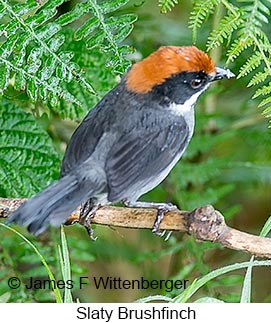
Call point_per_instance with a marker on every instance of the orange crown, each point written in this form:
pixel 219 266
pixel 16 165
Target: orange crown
pixel 165 62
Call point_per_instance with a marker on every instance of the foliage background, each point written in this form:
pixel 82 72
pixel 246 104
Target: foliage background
pixel 56 63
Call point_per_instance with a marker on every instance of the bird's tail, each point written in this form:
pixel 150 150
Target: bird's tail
pixel 53 205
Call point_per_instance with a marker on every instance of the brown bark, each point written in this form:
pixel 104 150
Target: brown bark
pixel 204 223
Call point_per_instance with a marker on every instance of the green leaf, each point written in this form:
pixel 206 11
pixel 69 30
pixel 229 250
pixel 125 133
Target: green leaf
pixel 77 12
pixel 4 298
pixel 264 90
pixel 123 34
pixel 266 228
pixel 28 161
pixel 63 252
pixel 4 77
pixel 103 79
pixel 96 40
pixel 246 290
pixel 33 38
pixel 106 31
pixel 198 283
pixel 266 111
pixel 31 51
pixel 41 258
pixel 154 298
pixel 167 5
pixel 201 11
pixel 87 28
pixel 208 300
pixel 112 5
pixel 259 78
pixel 251 64
pixel 238 46
pixel 224 30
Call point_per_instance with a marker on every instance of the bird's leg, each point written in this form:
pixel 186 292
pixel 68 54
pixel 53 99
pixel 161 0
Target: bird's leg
pixel 87 212
pixel 162 209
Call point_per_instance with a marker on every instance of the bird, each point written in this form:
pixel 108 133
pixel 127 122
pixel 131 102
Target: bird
pixel 129 142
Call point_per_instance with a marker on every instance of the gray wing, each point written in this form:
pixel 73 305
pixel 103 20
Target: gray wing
pixel 80 147
pixel 139 157
pixel 86 137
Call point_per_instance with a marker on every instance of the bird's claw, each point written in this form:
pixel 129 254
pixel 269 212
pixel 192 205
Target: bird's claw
pixel 90 232
pixel 87 212
pixel 159 218
pixel 162 233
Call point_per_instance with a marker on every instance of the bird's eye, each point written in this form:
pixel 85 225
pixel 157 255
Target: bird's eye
pixel 196 83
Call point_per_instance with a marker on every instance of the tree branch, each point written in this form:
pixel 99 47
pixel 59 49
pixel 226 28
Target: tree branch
pixel 204 223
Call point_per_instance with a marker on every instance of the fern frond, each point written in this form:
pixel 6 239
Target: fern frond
pixel 201 11
pixel 167 5
pixel 259 77
pixel 32 55
pixel 257 11
pixel 265 102
pixel 267 111
pixel 103 29
pixel 28 160
pixel 264 90
pixel 103 79
pixel 251 64
pixel 107 31
pixel 224 30
pixel 31 50
pixel 237 47
pixel 262 50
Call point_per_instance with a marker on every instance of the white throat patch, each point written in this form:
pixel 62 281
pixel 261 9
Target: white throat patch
pixel 186 110
pixel 187 106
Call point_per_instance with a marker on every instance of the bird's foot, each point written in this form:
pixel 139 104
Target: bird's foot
pixel 161 211
pixel 87 212
pixel 164 234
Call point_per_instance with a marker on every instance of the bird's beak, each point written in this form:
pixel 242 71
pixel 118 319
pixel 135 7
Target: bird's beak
pixel 222 73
